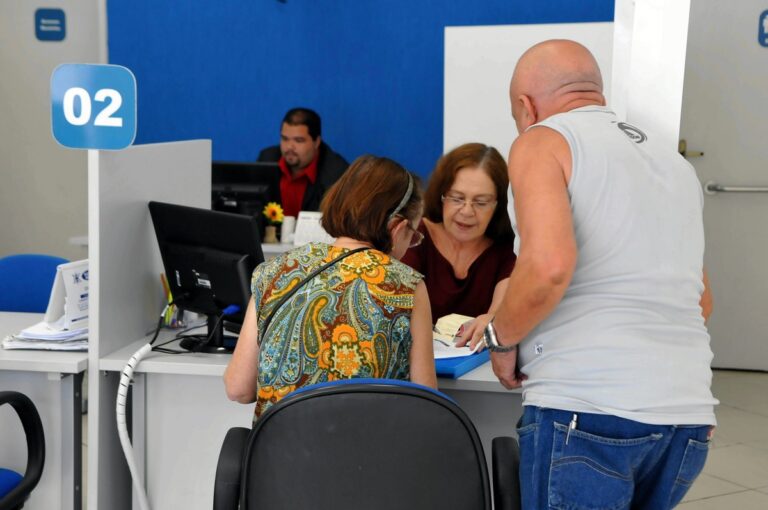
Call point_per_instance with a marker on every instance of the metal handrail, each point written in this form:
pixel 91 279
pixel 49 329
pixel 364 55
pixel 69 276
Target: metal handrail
pixel 712 188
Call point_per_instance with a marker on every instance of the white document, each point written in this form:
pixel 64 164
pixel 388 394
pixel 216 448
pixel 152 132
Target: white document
pixel 14 342
pixel 48 337
pixel 68 304
pixel 48 332
pixel 444 335
pixel 309 230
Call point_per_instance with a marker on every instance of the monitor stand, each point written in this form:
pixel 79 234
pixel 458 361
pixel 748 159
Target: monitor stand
pixel 219 343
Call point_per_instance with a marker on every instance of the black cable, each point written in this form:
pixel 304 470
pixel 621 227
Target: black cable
pixel 202 339
pixel 205 342
pixel 159 326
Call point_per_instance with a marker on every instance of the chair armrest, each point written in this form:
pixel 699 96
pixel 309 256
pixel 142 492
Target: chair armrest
pixel 226 490
pixel 505 459
pixel 33 429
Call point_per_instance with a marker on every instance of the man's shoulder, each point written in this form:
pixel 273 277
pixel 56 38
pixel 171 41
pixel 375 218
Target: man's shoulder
pixel 270 154
pixel 331 163
pixel 538 139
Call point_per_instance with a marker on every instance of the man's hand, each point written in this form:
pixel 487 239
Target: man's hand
pixel 472 332
pixel 504 366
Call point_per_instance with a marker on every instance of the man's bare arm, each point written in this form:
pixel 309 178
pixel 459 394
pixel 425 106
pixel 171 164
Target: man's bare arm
pixel 539 168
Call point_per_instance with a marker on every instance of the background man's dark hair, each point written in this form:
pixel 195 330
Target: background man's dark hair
pixel 305 117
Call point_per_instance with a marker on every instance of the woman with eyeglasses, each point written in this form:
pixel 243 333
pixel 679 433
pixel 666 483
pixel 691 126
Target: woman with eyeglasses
pixel 358 311
pixel 467 253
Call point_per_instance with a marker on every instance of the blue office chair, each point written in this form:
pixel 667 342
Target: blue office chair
pixel 375 444
pixel 26 281
pixel 15 488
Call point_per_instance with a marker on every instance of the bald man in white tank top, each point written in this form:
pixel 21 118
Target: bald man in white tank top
pixel 608 300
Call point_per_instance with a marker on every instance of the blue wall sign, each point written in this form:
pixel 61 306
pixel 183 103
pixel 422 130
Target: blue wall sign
pixel 50 24
pixel 372 69
pixel 93 106
pixel 762 30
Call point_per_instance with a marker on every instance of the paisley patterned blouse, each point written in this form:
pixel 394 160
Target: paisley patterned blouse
pixel 351 320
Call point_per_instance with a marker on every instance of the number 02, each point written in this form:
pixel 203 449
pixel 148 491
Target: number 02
pixel 104 117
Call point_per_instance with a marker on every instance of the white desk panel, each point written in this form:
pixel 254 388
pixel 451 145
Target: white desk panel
pixel 53 381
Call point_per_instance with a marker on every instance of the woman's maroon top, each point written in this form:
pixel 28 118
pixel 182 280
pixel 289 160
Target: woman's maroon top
pixel 470 296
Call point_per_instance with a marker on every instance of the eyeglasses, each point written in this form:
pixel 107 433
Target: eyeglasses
pixel 459 202
pixel 416 238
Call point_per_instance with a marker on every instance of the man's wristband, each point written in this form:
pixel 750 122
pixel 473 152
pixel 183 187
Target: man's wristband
pixel 492 340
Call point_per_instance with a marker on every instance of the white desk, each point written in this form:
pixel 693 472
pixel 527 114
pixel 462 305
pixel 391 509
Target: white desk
pixel 271 250
pixel 53 381
pixel 181 414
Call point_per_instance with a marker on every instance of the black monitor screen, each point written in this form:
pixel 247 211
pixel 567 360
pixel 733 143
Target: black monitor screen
pixel 208 257
pixel 244 188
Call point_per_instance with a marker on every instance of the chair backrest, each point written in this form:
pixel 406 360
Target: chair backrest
pixel 16 489
pixel 26 281
pixel 373 444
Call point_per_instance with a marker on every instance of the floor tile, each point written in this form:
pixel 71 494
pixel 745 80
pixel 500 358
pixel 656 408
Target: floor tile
pixel 738 426
pixel 760 445
pixel 742 390
pixel 747 500
pixel 739 464
pixel 707 486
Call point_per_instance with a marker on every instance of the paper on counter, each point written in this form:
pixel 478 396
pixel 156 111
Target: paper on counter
pixel 13 342
pixel 444 335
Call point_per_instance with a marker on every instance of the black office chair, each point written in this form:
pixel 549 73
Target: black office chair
pixel 15 488
pixel 373 444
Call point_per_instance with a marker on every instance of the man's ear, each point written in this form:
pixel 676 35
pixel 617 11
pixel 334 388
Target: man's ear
pixel 318 141
pixel 528 113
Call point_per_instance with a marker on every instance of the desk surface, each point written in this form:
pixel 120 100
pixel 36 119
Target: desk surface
pixel 479 379
pixel 276 248
pixel 36 361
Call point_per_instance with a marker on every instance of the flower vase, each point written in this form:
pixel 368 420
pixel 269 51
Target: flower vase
pixel 270 234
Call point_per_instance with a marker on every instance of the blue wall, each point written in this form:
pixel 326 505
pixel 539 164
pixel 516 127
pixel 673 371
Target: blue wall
pixel 229 69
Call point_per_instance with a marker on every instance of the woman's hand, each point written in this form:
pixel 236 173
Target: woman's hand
pixel 471 332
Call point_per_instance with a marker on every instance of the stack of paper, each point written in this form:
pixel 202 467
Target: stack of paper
pixel 48 337
pixel 444 335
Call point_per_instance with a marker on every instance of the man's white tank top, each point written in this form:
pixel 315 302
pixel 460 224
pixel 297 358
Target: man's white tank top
pixel 628 338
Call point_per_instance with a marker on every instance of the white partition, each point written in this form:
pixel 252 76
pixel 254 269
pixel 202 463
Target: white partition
pixel 652 39
pixel 126 297
pixel 479 61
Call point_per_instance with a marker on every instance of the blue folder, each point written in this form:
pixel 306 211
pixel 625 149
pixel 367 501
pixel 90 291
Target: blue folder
pixel 456 367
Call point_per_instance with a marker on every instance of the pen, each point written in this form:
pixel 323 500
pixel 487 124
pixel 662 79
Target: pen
pixel 571 426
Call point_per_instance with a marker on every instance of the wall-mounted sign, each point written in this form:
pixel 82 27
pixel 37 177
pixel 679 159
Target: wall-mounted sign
pixel 762 30
pixel 50 24
pixel 93 106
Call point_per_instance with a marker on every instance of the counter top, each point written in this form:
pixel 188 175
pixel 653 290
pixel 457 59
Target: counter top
pixel 32 360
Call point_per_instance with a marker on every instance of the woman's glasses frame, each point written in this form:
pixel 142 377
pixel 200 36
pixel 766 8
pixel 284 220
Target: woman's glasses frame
pixel 477 205
pixel 416 236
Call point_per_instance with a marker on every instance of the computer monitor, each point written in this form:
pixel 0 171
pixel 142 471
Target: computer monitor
pixel 209 257
pixel 244 188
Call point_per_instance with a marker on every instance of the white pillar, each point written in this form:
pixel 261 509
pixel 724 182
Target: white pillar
pixel 650 38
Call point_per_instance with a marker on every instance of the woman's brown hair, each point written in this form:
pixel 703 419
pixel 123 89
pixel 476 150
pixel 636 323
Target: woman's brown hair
pixel 365 198
pixel 471 155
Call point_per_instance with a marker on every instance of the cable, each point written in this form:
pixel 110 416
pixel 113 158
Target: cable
pixel 126 379
pixel 122 428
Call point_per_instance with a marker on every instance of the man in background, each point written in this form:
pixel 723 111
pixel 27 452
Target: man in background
pixel 607 301
pixel 308 165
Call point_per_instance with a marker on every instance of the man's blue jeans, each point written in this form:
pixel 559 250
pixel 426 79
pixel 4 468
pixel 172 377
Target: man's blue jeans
pixel 605 462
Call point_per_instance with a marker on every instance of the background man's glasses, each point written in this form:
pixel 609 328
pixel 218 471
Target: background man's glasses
pixel 458 202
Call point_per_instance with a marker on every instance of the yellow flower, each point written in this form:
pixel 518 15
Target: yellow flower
pixel 273 212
